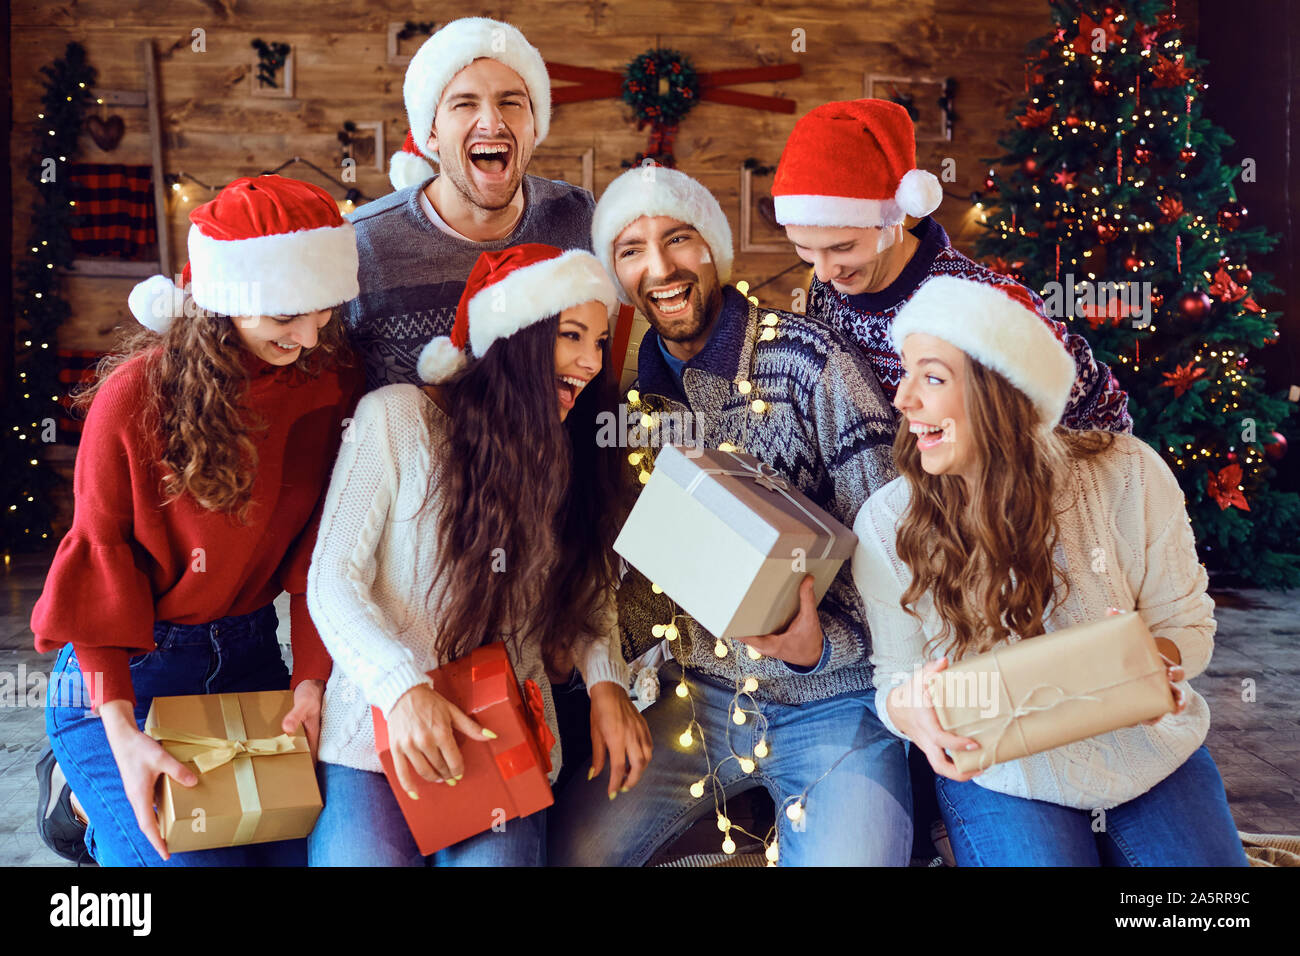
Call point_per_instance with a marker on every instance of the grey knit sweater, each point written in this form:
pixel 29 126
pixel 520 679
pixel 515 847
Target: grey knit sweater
pixel 412 273
pixel 828 430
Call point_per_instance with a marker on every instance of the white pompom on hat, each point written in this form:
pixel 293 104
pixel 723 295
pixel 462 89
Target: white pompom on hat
pixel 651 190
pixel 999 327
pixel 408 167
pixel 509 290
pixel 265 245
pixel 853 164
pixel 437 62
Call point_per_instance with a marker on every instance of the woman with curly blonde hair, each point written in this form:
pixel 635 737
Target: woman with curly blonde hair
pixel 1003 526
pixel 206 452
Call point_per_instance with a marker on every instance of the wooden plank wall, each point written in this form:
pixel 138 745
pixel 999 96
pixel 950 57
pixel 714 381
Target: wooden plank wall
pixel 215 130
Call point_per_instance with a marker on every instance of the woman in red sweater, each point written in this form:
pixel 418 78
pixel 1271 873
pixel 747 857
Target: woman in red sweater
pixel 205 455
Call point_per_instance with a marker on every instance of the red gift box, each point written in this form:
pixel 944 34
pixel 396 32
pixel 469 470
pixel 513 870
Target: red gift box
pixel 503 778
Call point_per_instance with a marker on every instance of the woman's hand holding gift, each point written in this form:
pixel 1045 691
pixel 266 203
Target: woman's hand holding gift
pixel 422 738
pixel 912 711
pixel 617 728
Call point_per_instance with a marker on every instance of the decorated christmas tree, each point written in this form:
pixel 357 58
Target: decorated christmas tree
pixel 1123 205
pixel 32 408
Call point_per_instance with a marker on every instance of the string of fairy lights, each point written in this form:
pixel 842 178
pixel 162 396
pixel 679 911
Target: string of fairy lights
pixel 743 707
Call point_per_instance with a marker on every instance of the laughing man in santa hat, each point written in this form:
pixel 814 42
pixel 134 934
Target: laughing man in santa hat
pixel 799 397
pixel 478 100
pixel 845 189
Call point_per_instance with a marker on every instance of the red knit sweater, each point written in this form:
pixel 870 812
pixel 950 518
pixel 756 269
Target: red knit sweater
pixel 129 561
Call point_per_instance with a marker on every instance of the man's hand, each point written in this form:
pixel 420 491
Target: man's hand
pixel 802 641
pixel 619 730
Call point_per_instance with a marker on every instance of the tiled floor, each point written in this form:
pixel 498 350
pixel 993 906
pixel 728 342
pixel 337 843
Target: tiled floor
pixel 1252 685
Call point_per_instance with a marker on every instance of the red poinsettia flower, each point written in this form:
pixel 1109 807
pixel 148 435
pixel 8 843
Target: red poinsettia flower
pixel 1224 289
pixel 1170 73
pixel 1032 118
pixel 1182 378
pixel 1171 208
pixel 1083 42
pixel 1224 488
pixel 1065 177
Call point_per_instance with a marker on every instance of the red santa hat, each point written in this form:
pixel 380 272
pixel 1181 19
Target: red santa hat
pixel 265 245
pixel 509 290
pixel 437 62
pixel 998 326
pixel 853 164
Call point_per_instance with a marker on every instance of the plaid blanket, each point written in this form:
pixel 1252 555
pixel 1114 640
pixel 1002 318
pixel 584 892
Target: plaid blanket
pixel 115 211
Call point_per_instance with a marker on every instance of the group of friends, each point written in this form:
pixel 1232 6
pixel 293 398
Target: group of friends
pixel 405 439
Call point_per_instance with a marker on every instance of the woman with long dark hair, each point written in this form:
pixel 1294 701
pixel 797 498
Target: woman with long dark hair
pixel 205 455
pixel 478 509
pixel 1003 526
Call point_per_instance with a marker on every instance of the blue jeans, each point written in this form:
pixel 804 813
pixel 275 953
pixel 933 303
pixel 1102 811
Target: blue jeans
pixel 859 814
pixel 229 655
pixel 1182 821
pixel 362 825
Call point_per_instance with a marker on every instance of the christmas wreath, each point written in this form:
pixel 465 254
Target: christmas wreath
pixel 662 87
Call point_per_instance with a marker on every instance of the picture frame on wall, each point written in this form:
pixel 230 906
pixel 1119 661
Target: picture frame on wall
pixel 402 47
pixel 758 208
pixel 562 164
pixel 922 93
pixel 283 90
pixel 367 146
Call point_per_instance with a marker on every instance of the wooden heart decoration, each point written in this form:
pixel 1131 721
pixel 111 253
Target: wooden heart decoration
pixel 106 133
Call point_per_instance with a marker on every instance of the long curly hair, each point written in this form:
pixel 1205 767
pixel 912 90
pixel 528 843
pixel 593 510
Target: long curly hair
pixel 196 380
pixel 984 555
pixel 531 505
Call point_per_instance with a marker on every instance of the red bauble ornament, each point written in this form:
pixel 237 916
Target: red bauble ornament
pixel 1276 448
pixel 1107 231
pixel 1102 86
pixel 1186 154
pixel 1142 155
pixel 1132 262
pixel 1232 216
pixel 1242 275
pixel 1031 166
pixel 990 184
pixel 1072 120
pixel 1194 305
pixel 1231 456
pixel 1157 299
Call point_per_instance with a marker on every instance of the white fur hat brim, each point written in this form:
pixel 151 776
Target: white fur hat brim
pixel 455 47
pixel 407 169
pixel 537 292
pixel 659 191
pixel 996 331
pixel 288 273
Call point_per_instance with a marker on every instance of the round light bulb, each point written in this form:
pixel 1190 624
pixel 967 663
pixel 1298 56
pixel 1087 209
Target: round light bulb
pixel 646 420
pixel 643 477
pixel 744 387
pixel 634 396
pixel 697 789
pixel 761 750
pixel 656 589
pixel 723 823
pixel 657 630
pixel 758 405
pixel 751 685
pixel 728 846
pixel 719 649
pixel 746 765
pixel 686 739
pixel 726 446
pixel 794 811
pixel 742 286
pixel 771 852
pixel 753 654
pixel 769 319
pixel 768 335
pixel 738 717
pixel 682 690
pixel 671 632
pixel 635 458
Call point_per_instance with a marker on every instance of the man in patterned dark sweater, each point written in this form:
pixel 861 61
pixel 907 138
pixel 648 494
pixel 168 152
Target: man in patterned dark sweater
pixel 845 185
pixel 810 729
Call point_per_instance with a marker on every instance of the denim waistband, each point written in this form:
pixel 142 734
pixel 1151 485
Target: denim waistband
pixel 170 634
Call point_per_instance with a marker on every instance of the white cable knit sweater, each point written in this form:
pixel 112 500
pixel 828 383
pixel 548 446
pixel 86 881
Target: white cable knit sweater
pixel 375 556
pixel 1127 543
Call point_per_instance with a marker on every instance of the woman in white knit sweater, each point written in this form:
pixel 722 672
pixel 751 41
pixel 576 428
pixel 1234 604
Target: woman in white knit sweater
pixel 1003 526
pixel 477 509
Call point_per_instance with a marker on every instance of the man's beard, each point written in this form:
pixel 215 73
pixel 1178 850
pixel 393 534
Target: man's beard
pixel 462 179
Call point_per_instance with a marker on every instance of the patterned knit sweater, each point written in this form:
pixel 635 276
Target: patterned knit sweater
pixel 1125 507
pixel 375 556
pixel 1096 400
pixel 828 430
pixel 412 273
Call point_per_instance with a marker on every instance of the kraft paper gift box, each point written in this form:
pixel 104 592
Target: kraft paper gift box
pixel 1053 689
pixel 503 778
pixel 256 783
pixel 730 540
